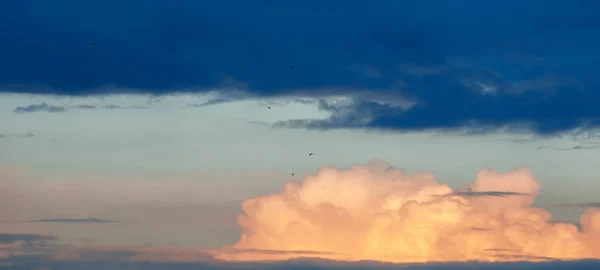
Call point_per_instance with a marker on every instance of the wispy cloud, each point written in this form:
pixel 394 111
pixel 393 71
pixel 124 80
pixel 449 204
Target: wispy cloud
pixel 108 107
pixel 64 220
pixel 259 123
pixel 74 220
pixel 524 141
pixel 582 205
pixel 26 135
pixel 519 257
pixel 485 194
pixel 211 102
pixel 42 107
pixel 580 147
pixel 7 238
pixel 85 107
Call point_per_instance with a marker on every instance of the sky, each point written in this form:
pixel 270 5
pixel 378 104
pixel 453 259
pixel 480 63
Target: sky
pixel 186 129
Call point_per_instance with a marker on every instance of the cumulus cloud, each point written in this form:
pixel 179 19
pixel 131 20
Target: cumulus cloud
pixel 42 107
pixel 376 212
pixel 369 212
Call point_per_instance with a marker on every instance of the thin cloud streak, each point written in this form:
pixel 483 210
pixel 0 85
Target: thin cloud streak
pixel 486 194
pixel 42 107
pixel 74 220
pixel 584 205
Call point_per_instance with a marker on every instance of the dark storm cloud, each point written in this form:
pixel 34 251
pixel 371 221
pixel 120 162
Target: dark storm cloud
pixel 478 65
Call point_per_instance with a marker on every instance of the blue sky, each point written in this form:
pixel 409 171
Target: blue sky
pixel 170 114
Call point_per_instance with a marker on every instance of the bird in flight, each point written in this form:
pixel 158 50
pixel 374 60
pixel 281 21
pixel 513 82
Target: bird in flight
pixel 291 66
pixel 311 154
pixel 93 43
pixel 292 174
pixel 269 107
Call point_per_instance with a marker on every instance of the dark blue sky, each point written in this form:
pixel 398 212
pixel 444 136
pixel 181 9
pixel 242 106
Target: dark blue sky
pixel 540 57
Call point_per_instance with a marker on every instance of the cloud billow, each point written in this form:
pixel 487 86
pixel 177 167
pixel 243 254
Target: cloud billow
pixel 380 213
pixel 475 65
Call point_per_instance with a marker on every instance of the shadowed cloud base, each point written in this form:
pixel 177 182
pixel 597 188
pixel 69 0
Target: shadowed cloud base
pixel 181 259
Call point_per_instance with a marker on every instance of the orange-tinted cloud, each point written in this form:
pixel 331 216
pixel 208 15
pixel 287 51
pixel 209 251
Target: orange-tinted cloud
pixel 377 212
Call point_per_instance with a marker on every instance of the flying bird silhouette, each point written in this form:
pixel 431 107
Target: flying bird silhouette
pixel 311 154
pixel 93 43
pixel 291 66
